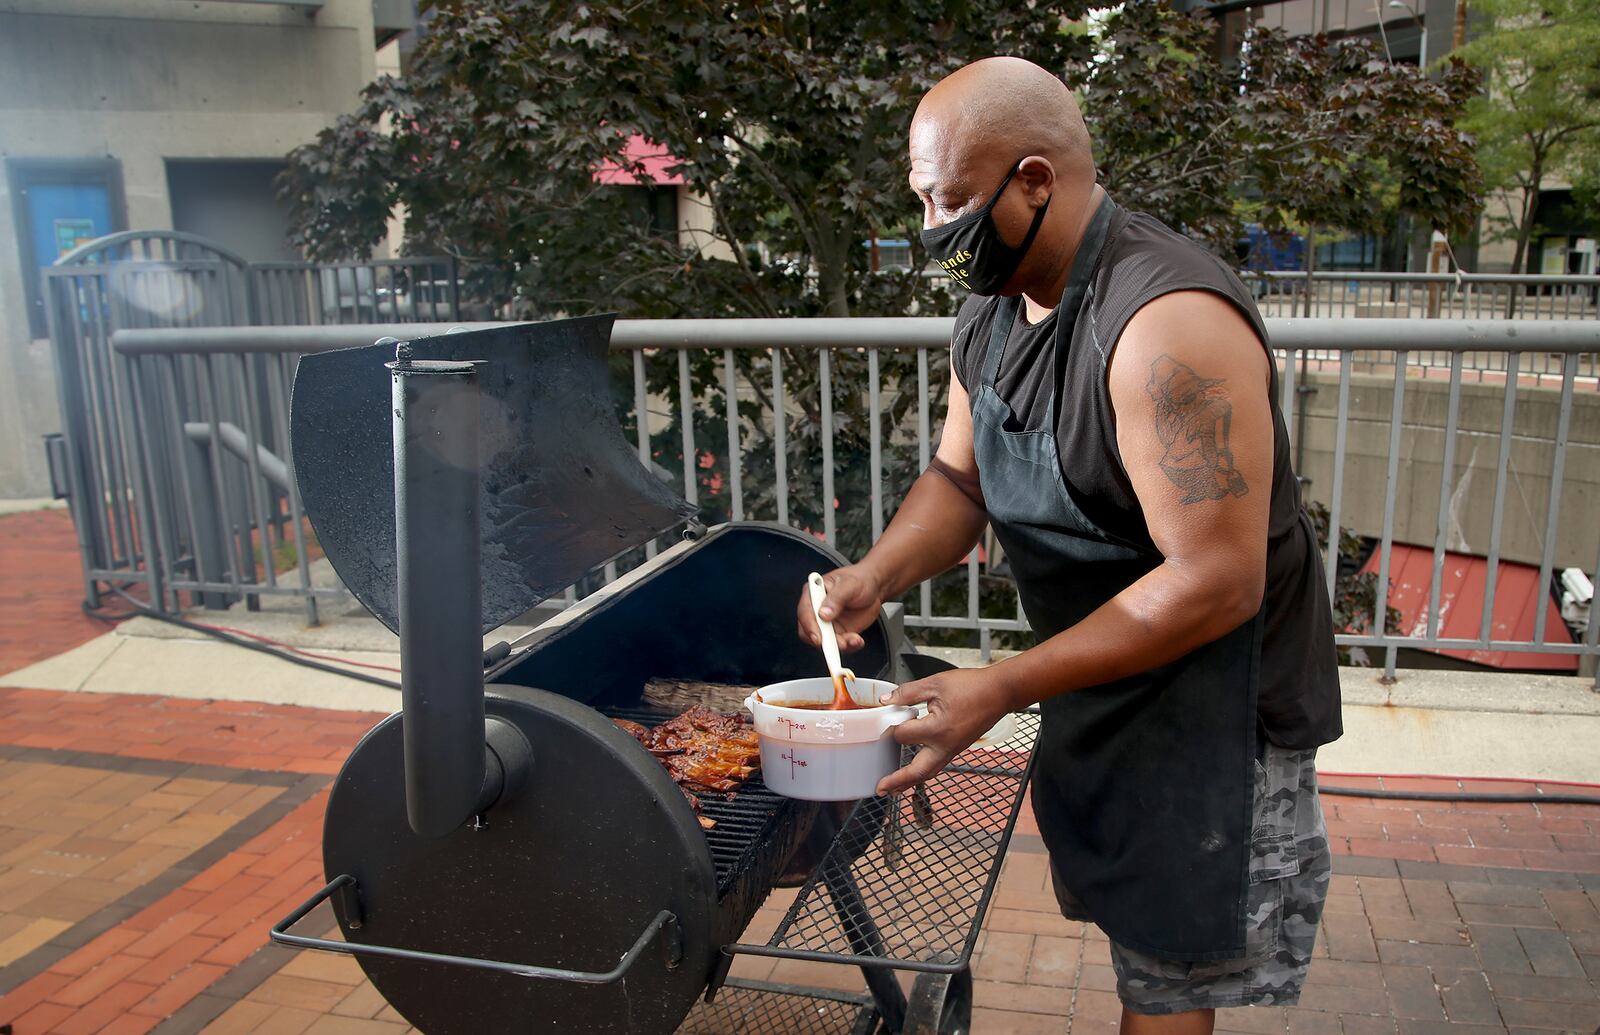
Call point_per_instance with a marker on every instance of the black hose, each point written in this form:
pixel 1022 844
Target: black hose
pixel 1546 799
pixel 140 609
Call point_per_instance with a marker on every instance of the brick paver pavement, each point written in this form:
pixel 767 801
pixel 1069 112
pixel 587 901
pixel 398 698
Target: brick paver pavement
pixel 41 589
pixel 147 843
pixel 145 846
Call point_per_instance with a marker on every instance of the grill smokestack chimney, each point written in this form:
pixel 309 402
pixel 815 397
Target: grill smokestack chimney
pixel 436 476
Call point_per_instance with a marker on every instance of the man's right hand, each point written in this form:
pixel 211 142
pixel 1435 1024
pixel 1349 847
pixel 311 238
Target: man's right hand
pixel 853 599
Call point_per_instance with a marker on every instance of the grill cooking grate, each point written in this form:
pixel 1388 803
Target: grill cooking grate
pixel 742 824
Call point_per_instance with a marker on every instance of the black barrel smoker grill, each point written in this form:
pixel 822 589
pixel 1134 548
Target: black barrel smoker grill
pixel 500 856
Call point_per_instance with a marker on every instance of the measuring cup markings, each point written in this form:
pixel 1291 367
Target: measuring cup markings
pixel 791 724
pixel 793 760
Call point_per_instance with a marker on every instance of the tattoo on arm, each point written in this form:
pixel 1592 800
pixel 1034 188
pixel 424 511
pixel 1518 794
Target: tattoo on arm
pixel 1193 417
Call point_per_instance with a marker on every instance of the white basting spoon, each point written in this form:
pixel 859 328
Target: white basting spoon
pixel 830 643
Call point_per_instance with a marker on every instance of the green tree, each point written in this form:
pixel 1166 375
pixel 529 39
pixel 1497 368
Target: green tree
pixel 1301 132
pixel 789 123
pixel 1538 119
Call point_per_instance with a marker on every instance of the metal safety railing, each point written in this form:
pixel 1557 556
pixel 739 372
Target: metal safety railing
pixel 168 279
pixel 824 423
pixel 1451 296
pixel 1291 294
pixel 1438 296
pixel 1414 296
pixel 406 290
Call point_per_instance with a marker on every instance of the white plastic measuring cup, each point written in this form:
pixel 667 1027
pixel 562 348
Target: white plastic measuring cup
pixel 824 755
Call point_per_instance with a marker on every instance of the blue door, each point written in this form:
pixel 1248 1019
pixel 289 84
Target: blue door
pixel 64 215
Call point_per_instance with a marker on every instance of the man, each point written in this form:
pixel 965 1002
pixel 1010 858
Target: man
pixel 1113 415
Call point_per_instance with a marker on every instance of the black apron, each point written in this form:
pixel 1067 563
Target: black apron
pixel 1143 786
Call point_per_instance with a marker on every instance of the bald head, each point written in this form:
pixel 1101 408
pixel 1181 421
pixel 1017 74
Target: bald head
pixel 1003 108
pixel 1005 134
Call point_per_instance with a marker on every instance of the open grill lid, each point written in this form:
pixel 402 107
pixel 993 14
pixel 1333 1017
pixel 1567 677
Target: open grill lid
pixel 563 491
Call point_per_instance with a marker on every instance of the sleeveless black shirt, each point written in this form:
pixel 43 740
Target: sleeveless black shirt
pixel 1142 260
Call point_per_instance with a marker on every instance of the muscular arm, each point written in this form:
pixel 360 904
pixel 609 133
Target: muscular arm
pixel 1189 387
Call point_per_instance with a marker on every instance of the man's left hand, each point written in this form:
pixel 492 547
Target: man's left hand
pixel 962 706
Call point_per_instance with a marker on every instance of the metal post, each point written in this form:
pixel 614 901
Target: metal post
pixel 825 376
pixel 691 455
pixel 1569 373
pixel 1501 479
pixel 1380 617
pixel 924 457
pixel 860 931
pixel 875 433
pixel 1447 470
pixel 730 391
pixel 780 439
pixel 281 375
pixel 435 406
pixel 1336 494
pixel 641 420
pixel 57 295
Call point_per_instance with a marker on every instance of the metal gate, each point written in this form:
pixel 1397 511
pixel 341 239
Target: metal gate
pixel 211 505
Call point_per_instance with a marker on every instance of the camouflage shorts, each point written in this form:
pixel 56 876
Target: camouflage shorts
pixel 1289 869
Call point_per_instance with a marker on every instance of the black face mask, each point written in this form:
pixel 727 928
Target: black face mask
pixel 972 251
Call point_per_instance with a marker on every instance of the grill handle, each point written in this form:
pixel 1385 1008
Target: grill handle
pixel 665 923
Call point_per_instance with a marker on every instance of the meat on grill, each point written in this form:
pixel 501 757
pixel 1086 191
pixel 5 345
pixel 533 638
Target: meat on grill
pixel 706 750
pixel 706 822
pixel 702 750
pixel 701 725
pixel 637 731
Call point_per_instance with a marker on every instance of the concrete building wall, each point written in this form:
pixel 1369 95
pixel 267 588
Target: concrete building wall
pixel 142 82
pixel 1471 508
pixel 695 226
pixel 1496 246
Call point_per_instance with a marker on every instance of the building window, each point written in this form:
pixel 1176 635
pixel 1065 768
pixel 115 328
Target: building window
pixel 56 206
pixel 653 208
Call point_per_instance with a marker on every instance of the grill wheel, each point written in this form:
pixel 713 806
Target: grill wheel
pixel 940 1004
pixel 565 874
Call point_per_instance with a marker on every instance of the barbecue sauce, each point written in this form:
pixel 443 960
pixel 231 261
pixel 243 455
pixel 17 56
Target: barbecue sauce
pixel 842 701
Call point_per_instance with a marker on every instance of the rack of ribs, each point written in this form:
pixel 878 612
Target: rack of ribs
pixel 704 751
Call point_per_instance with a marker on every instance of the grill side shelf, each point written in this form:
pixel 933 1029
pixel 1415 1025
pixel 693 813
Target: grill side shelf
pixel 906 883
pixel 762 1006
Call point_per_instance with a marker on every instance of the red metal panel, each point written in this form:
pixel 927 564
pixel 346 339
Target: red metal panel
pixel 655 159
pixel 1461 590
